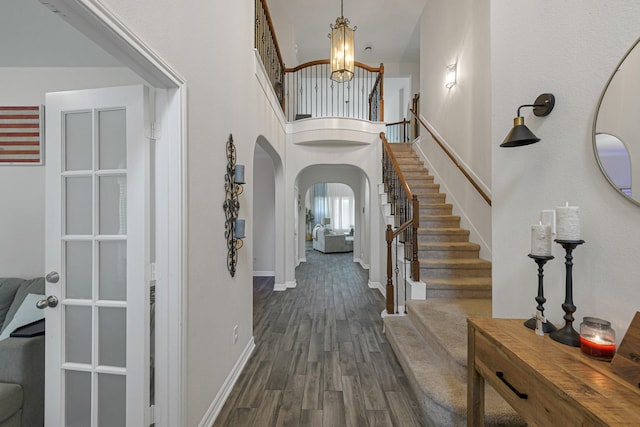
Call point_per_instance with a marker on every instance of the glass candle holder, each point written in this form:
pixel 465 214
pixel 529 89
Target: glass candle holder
pixel 597 338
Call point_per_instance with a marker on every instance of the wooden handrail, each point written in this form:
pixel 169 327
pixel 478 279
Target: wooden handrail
pixel 396 166
pixel 390 234
pixel 273 31
pixel 454 160
pixel 328 61
pixel 403 122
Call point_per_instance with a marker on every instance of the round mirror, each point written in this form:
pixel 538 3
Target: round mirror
pixel 616 128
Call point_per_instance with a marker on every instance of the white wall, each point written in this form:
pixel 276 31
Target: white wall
pixel 395 69
pixel 458 32
pixel 397 98
pixel 570 49
pixel 264 197
pixel 211 45
pixel 22 209
pixel 285 33
pixel 331 141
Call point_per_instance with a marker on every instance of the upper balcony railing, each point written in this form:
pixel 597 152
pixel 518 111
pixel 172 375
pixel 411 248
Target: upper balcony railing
pixel 267 45
pixel 307 90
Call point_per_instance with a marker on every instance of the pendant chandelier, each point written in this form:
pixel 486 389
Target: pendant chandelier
pixel 342 49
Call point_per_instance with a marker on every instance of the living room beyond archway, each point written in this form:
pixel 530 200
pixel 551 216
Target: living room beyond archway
pixel 330 217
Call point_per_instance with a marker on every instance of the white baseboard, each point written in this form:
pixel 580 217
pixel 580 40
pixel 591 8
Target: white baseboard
pixel 216 406
pixel 378 286
pixel 400 312
pixel 277 287
pixel 302 259
pixel 263 273
pixel 362 263
pixel 290 284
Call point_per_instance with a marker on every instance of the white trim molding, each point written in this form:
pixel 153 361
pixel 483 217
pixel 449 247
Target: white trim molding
pixel 263 273
pixel 378 286
pixel 279 287
pixel 290 284
pixel 217 404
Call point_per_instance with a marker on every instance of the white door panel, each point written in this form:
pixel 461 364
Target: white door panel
pixel 97 234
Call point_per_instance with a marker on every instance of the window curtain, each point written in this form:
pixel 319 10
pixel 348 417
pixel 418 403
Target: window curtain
pixel 320 209
pixel 336 202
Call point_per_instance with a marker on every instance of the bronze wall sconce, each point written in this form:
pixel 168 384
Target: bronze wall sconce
pixel 233 227
pixel 520 134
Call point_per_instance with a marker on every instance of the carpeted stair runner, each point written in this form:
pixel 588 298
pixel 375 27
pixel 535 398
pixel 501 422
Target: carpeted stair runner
pixel 430 344
pixel 431 341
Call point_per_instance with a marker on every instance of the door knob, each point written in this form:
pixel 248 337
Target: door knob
pixel 52 277
pixel 51 301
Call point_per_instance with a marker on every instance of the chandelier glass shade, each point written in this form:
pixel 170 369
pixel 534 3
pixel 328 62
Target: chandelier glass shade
pixel 342 49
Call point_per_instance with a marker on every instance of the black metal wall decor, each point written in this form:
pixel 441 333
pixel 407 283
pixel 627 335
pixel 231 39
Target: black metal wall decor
pixel 233 227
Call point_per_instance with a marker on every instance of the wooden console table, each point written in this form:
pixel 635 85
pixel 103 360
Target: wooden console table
pixel 547 383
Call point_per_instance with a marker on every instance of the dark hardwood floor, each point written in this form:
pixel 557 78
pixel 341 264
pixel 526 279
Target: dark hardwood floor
pixel 321 358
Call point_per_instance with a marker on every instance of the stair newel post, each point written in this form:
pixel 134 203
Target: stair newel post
pixel 415 265
pixel 389 238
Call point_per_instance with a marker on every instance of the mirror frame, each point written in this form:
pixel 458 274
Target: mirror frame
pixel 595 123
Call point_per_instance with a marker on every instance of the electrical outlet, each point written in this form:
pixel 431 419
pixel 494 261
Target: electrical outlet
pixel 235 334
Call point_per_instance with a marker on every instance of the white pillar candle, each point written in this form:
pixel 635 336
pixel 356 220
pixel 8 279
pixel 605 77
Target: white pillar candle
pixel 541 239
pixel 568 222
pixel 239 178
pixel 239 229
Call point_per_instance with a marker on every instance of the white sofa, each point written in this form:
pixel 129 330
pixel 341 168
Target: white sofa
pixel 325 241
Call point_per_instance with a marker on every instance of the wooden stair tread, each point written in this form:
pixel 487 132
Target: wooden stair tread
pixel 429 216
pixel 426 230
pixel 448 245
pixel 451 282
pixel 476 263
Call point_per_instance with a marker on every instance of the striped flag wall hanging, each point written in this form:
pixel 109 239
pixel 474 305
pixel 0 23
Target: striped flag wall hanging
pixel 21 135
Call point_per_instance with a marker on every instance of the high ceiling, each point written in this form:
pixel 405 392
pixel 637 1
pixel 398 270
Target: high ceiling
pixel 33 36
pixel 40 38
pixel 389 27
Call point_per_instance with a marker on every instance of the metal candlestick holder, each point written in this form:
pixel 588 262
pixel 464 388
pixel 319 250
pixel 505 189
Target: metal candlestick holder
pixel 567 335
pixel 547 327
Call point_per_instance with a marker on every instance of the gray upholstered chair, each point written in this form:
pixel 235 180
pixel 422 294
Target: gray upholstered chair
pixel 21 361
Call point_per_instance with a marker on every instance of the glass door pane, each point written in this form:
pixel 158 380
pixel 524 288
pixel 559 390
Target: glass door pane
pixel 112 400
pixel 78 399
pixel 95 242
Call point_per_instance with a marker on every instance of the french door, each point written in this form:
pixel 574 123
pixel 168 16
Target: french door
pixel 97 250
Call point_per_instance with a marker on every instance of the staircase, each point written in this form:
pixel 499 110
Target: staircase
pixel 431 341
pixel 449 264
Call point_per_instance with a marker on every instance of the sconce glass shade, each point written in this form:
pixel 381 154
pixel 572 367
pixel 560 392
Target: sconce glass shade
pixel 239 231
pixel 239 174
pixel 519 135
pixel 342 50
pixel 451 76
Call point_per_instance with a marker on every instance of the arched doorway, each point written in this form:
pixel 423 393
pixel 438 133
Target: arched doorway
pixel 268 202
pixel 355 179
